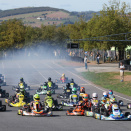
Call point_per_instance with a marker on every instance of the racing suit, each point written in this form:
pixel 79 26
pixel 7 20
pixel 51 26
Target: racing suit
pixel 36 105
pixel 48 97
pixel 49 84
pixel 63 79
pixel 68 91
pixel 74 98
pixel 104 100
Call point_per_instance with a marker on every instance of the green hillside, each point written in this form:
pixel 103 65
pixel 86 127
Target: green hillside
pixel 35 16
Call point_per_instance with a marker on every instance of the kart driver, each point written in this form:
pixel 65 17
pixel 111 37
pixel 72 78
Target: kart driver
pixel 74 96
pixel 105 98
pixel 82 91
pixel 68 89
pixel 110 94
pixel 48 96
pixel 85 103
pixel 49 82
pixel 62 78
pixel 36 104
pixel 21 82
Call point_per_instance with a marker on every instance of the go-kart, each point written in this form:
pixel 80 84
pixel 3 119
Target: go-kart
pixel 27 111
pixel 2 107
pixel 27 98
pixel 94 108
pixel 68 103
pixel 78 111
pixel 2 81
pixel 41 91
pixel 52 85
pixel 52 105
pixel 3 94
pixel 114 115
pixel 72 85
pixel 65 95
pixel 26 87
pixel 128 105
pixel 62 80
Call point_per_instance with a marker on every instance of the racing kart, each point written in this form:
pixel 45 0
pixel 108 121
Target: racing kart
pixel 27 98
pixel 27 111
pixel 62 81
pixel 68 103
pixel 78 111
pixel 114 115
pixel 52 85
pixel 3 94
pixel 52 105
pixel 65 94
pixel 44 91
pixel 72 85
pixel 128 105
pixel 2 107
pixel 26 87
pixel 95 108
pixel 2 82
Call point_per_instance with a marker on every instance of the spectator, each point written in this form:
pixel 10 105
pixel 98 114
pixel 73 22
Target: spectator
pixel 122 68
pixel 98 57
pixel 85 61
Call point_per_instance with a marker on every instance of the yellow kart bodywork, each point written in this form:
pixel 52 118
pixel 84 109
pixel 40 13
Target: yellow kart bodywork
pixel 20 103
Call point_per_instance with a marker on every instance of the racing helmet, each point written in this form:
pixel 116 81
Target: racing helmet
pixel 110 92
pixel 94 95
pixel 113 100
pixel 17 90
pixel 85 97
pixel 68 85
pixel 74 91
pixel 49 79
pixel 48 93
pixel 82 90
pixel 63 74
pixel 105 94
pixel 72 81
pixel 36 97
pixel 45 83
pixel 21 79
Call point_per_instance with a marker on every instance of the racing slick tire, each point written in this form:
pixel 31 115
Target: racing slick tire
pixel 3 108
pixel 120 102
pixel 7 95
pixel 127 114
pixel 0 103
pixel 128 106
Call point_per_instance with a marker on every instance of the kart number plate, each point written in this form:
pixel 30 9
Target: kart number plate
pixel 68 91
pixel 74 96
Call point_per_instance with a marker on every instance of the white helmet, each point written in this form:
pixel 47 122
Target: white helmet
pixel 105 94
pixel 94 95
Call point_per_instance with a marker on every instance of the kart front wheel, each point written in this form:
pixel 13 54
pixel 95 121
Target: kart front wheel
pixel 3 107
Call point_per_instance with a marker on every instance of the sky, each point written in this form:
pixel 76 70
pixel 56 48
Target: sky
pixel 70 5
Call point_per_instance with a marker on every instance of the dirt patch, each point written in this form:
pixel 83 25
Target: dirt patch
pixel 126 78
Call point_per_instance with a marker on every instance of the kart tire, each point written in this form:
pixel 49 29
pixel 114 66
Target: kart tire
pixel 120 101
pixel 3 108
pixel 28 87
pixel 0 103
pixel 56 87
pixel 7 95
pixel 127 114
pixel 127 105
pixel 22 113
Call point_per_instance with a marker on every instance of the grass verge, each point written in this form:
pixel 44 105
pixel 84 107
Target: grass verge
pixel 107 80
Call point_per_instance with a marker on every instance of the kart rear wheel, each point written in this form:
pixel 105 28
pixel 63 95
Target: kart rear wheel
pixel 7 95
pixel 127 114
pixel 0 103
pixel 3 108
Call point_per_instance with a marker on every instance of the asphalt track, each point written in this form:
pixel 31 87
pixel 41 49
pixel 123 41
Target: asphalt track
pixel 35 72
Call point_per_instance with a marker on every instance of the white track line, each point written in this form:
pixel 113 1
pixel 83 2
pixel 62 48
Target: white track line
pixel 89 82
pixel 39 72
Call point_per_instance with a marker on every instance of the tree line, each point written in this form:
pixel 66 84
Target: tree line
pixel 113 19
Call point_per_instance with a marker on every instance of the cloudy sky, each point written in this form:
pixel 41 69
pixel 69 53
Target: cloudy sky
pixel 70 5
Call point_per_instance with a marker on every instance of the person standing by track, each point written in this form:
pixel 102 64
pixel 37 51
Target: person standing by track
pixel 85 61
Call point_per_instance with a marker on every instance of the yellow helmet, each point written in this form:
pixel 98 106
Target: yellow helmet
pixel 63 74
pixel 36 97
